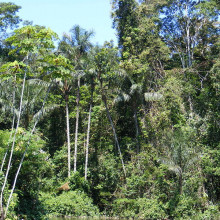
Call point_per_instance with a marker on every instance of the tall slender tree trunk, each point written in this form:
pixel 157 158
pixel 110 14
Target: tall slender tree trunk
pixel 23 156
pixel 88 132
pixel 66 97
pixel 114 131
pixel 188 39
pixel 13 143
pixel 77 124
pixel 68 134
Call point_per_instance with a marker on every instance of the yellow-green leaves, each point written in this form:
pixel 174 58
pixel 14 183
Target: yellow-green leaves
pixel 35 44
pixel 12 69
pixel 32 39
pixel 57 67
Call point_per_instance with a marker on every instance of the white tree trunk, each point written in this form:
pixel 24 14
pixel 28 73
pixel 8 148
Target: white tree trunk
pixel 77 125
pixel 13 143
pixel 68 137
pixel 23 156
pixel 88 134
pixel 188 39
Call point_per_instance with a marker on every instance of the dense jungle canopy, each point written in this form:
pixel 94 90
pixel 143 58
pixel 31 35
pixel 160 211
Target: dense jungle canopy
pixel 131 130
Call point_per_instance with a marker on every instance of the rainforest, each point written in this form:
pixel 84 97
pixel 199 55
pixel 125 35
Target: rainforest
pixel 117 131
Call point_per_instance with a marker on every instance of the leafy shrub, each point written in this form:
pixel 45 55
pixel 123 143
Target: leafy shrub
pixel 211 213
pixel 79 183
pixel 141 208
pixel 189 208
pixel 125 207
pixel 185 207
pixel 14 202
pixel 150 209
pixel 72 203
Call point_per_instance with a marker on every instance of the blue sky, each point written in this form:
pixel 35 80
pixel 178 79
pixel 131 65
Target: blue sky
pixel 62 15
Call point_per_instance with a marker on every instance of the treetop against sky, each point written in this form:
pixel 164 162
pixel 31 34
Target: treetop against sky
pixel 60 16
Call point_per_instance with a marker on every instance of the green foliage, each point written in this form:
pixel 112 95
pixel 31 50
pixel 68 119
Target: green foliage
pixel 141 208
pixel 211 169
pixel 76 45
pixel 189 208
pixel 8 17
pixel 13 206
pixel 72 203
pixel 212 212
pixel 186 207
pixel 4 136
pixel 57 67
pixel 211 161
pixel 32 39
pixel 79 183
pixel 12 70
pixel 35 166
pixel 105 182
pixel 150 208
pixel 155 113
pixel 15 200
pixel 59 159
pixel 125 207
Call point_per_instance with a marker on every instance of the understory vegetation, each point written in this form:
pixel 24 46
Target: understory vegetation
pixel 130 131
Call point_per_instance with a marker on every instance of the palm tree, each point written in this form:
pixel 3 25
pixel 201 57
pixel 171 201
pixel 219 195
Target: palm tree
pixel 66 89
pixel 133 96
pixel 75 47
pixel 181 155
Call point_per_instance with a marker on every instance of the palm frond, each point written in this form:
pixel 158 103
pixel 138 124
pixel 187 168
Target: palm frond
pixel 38 82
pixel 176 169
pixel 80 73
pixel 135 88
pixel 171 165
pixel 152 96
pixel 122 97
pixel 43 112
